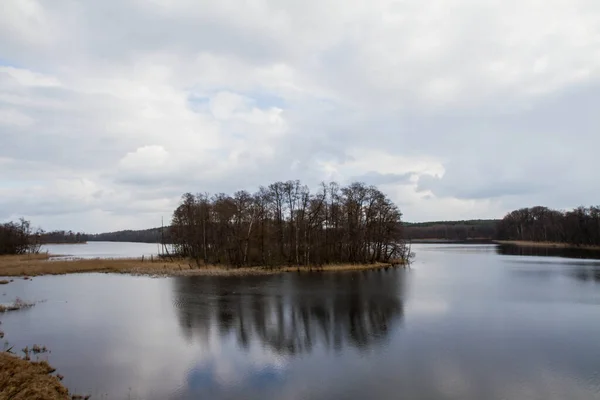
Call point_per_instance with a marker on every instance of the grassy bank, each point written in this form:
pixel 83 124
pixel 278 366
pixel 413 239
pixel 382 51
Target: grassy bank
pixel 523 243
pixel 34 265
pixel 23 380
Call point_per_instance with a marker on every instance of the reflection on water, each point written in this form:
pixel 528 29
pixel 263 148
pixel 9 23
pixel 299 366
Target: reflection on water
pixel 513 250
pixel 464 323
pixel 292 313
pixel 545 263
pixel 581 271
pixel 587 274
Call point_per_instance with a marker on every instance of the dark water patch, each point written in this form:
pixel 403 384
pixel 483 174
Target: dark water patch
pixel 292 313
pixel 581 253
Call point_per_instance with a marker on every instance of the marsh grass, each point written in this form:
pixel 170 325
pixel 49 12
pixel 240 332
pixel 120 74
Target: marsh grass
pixel 22 380
pixel 35 349
pixel 18 304
pixel 47 265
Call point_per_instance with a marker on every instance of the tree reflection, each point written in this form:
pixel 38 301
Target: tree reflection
pixel 587 273
pixel 293 313
pixel 513 250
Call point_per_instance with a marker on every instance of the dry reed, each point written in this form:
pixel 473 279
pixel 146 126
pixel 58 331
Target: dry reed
pixel 23 380
pixel 46 265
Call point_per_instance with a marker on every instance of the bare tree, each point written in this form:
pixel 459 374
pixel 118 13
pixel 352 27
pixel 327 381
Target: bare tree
pixel 284 224
pixel 19 238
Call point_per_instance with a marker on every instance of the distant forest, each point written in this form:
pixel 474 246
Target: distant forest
pixel 285 222
pixel 153 235
pixel 470 230
pixel 580 226
pixel 62 237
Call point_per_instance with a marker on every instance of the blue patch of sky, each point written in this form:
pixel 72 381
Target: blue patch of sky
pixel 266 100
pixel 262 100
pixel 198 103
pixel 14 184
pixel 6 63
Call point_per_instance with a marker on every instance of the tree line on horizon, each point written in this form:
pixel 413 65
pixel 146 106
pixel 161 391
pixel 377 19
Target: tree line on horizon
pixel 63 237
pixel 469 230
pixel 152 235
pixel 580 226
pixel 285 224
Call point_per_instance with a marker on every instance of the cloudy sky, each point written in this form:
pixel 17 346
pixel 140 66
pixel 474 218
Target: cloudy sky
pixel 110 110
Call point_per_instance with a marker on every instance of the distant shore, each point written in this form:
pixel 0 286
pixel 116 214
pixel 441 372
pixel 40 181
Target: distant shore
pixel 43 264
pixel 549 245
pixel 452 241
pixel 57 243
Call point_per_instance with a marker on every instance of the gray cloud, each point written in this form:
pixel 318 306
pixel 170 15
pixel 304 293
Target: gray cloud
pixel 109 111
pixel 375 178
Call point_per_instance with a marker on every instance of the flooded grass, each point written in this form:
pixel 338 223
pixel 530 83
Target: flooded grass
pixel 46 265
pixel 38 349
pixel 18 304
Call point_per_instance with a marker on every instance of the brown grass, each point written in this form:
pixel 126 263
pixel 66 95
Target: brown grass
pixel 4 282
pixel 45 265
pixel 26 380
pixel 524 243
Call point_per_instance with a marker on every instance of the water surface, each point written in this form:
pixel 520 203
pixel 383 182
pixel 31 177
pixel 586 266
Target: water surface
pixel 103 250
pixel 464 323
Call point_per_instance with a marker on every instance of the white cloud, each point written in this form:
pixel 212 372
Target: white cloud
pixel 25 77
pixel 12 117
pixel 145 158
pixel 456 108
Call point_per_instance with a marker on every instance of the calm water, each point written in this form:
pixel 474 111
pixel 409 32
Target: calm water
pixel 103 250
pixel 464 323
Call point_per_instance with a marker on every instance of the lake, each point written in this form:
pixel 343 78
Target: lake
pixel 102 250
pixel 465 322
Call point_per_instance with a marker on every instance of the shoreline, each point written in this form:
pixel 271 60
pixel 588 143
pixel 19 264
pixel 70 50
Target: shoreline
pixel 42 264
pixel 548 245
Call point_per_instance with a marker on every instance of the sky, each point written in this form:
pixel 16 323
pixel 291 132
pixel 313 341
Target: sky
pixel 111 110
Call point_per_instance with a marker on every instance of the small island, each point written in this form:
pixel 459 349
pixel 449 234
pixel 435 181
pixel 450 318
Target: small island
pixel 282 227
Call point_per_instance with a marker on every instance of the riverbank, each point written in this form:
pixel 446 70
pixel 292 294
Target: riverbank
pixel 44 264
pixel 552 245
pixel 22 380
